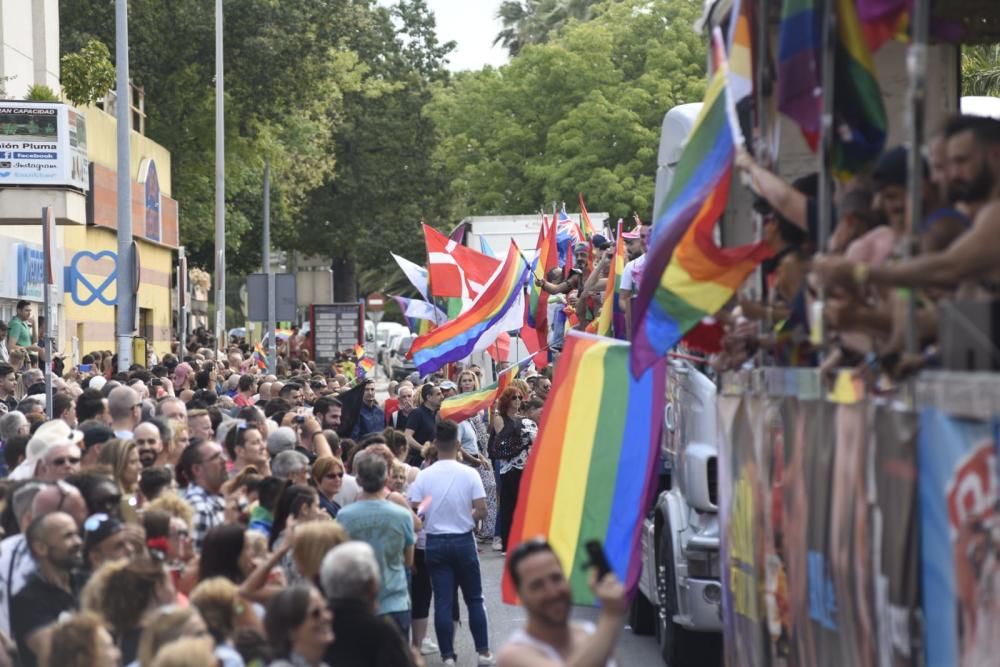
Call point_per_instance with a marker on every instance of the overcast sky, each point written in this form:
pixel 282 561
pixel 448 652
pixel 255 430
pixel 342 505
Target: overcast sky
pixel 472 24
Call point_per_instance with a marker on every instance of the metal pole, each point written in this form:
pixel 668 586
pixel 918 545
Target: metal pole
pixel 126 298
pixel 47 306
pixel 916 63
pixel 220 188
pixel 182 294
pixel 272 342
pixel 825 199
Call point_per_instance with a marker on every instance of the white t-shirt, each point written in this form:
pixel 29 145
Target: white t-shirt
pixel 452 487
pixel 633 274
pixel 349 491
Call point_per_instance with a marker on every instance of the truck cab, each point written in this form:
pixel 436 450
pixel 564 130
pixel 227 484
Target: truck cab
pixel 680 594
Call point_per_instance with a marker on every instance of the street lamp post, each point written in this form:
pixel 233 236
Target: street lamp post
pixel 125 315
pixel 220 188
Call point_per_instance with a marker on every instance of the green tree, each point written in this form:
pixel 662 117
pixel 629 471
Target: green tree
pixel 981 70
pixel 533 21
pixel 580 113
pixel 39 92
pixel 87 75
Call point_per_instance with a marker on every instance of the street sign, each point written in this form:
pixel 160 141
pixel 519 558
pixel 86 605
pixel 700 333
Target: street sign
pixel 375 305
pixel 284 297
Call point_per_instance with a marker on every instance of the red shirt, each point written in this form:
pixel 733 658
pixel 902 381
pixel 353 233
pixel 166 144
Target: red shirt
pixel 391 405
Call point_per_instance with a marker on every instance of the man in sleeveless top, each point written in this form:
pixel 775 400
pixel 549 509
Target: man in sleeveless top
pixel 550 639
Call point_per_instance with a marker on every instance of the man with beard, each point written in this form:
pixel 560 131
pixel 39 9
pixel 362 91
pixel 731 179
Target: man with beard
pixel 54 540
pixel 973 161
pixel 549 638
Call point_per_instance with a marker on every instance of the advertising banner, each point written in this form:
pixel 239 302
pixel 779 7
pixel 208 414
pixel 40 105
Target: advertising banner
pixel 42 144
pixel 959 539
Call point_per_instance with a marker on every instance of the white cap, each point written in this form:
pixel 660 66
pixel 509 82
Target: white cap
pixel 50 434
pixel 97 382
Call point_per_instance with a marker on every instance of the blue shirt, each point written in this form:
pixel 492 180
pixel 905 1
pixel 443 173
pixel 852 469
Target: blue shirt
pixel 388 528
pixel 370 420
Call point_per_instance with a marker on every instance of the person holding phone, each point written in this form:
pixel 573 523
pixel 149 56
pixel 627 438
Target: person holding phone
pixel 550 638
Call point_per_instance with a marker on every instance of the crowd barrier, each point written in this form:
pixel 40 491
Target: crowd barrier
pixel 857 530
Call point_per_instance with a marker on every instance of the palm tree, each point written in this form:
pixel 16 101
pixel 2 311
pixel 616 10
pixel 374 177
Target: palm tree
pixel 981 70
pixel 533 21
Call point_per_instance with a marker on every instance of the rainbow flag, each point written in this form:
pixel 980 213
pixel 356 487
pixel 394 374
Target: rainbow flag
pixel 365 366
pixel 800 39
pixel 592 471
pixel 546 259
pixel 585 223
pixel 859 114
pixel 606 321
pixel 741 50
pixel 461 407
pixel 883 20
pixel 260 355
pixel 498 308
pixel 687 276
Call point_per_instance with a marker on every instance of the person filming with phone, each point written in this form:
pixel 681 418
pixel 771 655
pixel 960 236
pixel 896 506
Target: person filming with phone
pixel 550 638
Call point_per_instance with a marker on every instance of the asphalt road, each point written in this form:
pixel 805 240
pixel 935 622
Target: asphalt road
pixel 633 651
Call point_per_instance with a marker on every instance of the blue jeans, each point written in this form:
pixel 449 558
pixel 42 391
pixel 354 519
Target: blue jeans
pixel 453 559
pixel 402 619
pixel 496 475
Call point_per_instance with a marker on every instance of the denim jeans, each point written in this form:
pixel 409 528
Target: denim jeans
pixel 403 620
pixel 496 475
pixel 453 559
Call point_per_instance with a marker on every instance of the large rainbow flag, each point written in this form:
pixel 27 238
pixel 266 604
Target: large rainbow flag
pixel 461 407
pixel 592 471
pixel 546 259
pixel 687 276
pixel 585 224
pixel 498 308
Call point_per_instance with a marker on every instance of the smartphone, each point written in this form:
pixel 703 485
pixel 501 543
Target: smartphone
pixel 597 558
pixel 299 419
pixel 86 368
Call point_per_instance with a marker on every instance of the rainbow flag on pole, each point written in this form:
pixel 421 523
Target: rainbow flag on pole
pixel 592 471
pixel 687 276
pixel 461 407
pixel 585 223
pixel 606 320
pixel 498 308
pixel 546 259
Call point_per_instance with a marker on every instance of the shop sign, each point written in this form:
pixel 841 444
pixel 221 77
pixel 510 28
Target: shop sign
pixel 30 272
pixel 43 144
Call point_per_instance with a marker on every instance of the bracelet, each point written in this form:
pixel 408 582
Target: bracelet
pixel 860 272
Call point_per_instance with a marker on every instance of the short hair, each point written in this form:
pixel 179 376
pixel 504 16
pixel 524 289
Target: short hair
pixel 61 402
pixel 522 551
pixel 426 391
pixel 121 402
pixel 154 480
pixel 174 505
pixel 323 405
pixel 245 383
pixel 159 406
pixel 446 436
pixel 348 571
pixel 985 130
pixel 23 304
pixel 165 627
pixel 324 464
pixel 5 369
pixel 370 471
pixel 11 423
pixel 187 652
pixel 312 542
pixel 236 436
pixel 289 462
pixel 74 640
pixel 289 388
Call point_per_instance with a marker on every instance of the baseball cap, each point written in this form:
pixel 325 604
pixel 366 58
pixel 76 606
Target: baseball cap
pixel 600 242
pixel 448 384
pixel 97 382
pixel 99 527
pixel 51 434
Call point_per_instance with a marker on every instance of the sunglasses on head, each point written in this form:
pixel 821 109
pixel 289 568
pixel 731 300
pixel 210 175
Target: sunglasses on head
pixel 95 521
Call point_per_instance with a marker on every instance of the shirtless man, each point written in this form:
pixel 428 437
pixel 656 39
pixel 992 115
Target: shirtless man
pixel 550 639
pixel 973 164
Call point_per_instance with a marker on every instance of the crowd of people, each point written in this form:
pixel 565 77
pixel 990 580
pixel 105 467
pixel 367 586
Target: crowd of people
pixel 203 512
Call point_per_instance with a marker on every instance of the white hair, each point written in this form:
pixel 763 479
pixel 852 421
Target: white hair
pixel 348 571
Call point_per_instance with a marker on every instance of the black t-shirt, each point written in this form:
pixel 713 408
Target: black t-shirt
pixel 423 422
pixel 35 606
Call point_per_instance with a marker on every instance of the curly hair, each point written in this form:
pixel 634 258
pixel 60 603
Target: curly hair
pixel 166 627
pixel 74 641
pixel 506 398
pixel 218 600
pixel 129 592
pixel 174 505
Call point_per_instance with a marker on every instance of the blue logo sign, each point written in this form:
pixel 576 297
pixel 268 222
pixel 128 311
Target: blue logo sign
pixel 75 280
pixel 30 271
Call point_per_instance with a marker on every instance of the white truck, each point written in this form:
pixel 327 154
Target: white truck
pixel 680 594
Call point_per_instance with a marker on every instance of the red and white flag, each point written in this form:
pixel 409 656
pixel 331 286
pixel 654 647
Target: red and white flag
pixel 454 269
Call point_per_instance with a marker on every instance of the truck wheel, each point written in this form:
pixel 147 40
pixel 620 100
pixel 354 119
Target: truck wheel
pixel 642 615
pixel 678 645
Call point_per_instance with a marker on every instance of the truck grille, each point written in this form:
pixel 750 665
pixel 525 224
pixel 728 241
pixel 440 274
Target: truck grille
pixel 712 468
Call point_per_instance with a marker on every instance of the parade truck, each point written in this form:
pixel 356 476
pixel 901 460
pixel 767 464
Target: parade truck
pixel 679 597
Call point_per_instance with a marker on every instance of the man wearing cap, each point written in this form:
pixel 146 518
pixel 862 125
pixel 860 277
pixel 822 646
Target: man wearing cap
pixel 371 417
pixel 49 435
pixel 632 274
pixel 124 406
pixel 104 539
pixel 95 434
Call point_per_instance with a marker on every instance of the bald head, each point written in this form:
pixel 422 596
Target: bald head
pixel 123 405
pixel 265 392
pixel 60 497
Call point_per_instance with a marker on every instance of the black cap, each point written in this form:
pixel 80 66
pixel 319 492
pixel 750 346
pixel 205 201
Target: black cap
pixel 892 167
pixel 99 527
pixel 600 242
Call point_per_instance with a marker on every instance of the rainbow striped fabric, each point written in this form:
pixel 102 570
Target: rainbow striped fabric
pixel 546 259
pixel 461 407
pixel 800 38
pixel 498 308
pixel 585 223
pixel 740 50
pixel 605 323
pixel 687 276
pixel 592 471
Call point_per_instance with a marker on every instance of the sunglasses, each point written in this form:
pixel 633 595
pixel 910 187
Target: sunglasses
pixel 333 475
pixel 63 460
pixel 95 521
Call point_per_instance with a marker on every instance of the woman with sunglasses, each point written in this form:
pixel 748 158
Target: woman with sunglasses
pixel 508 448
pixel 123 457
pixel 299 626
pixel 328 476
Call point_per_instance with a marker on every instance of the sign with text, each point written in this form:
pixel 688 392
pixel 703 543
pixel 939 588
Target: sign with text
pixel 336 327
pixel 43 144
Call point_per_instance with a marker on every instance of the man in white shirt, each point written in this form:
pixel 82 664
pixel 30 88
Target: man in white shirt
pixel 457 501
pixel 632 275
